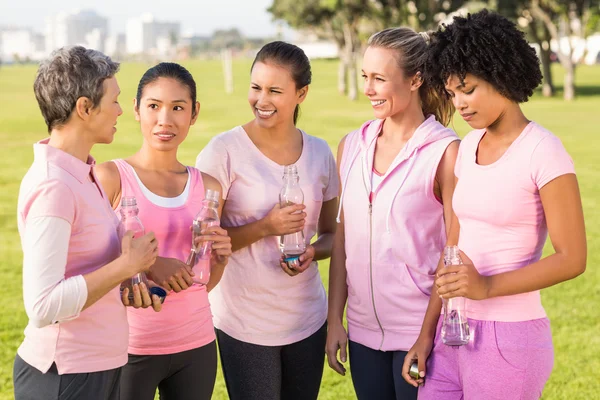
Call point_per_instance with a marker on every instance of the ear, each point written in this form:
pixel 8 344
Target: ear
pixel 302 94
pixel 83 108
pixel 197 111
pixel 136 110
pixel 416 81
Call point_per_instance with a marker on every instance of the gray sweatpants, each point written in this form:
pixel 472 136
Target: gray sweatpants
pixel 31 384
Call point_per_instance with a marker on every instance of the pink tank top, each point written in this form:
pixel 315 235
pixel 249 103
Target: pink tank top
pixel 185 321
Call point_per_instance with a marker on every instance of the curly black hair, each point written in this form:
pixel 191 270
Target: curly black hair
pixel 489 46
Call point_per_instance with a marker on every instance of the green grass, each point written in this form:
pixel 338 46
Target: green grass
pixel 572 306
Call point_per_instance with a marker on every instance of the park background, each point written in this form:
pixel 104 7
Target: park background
pixel 568 107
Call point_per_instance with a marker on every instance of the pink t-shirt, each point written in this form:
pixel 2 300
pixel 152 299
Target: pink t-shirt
pixel 502 221
pixel 185 321
pixel 58 185
pixel 256 301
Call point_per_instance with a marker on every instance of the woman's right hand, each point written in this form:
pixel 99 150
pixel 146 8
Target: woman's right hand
pixel 337 339
pixel 139 253
pixel 419 352
pixel 285 220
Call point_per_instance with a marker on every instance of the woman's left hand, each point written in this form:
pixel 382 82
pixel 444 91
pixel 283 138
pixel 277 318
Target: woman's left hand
pixel 462 281
pixel 141 298
pixel 221 244
pixel 305 259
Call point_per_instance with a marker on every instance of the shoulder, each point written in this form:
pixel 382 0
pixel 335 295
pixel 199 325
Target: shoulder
pixel 211 182
pixel 109 178
pixel 317 143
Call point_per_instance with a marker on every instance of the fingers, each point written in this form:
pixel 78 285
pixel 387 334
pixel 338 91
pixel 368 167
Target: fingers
pixel 288 270
pixel 292 208
pixel 452 290
pixel 174 283
pixel 332 360
pixel 186 278
pixel 408 360
pixel 451 269
pixel 304 265
pixel 422 364
pixel 145 296
pixel 125 296
pixel 156 303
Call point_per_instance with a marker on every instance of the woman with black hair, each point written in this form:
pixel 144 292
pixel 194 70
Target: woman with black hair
pixel 515 185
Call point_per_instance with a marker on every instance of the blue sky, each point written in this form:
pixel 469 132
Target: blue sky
pixel 200 16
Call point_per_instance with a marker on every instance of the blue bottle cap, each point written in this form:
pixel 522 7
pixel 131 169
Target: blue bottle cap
pixel 160 292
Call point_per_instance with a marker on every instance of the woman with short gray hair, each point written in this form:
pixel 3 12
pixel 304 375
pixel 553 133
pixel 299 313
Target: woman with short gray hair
pixel 73 261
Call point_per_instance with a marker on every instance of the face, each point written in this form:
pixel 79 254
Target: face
pixel 476 100
pixel 103 118
pixel 273 95
pixel 165 113
pixel 389 91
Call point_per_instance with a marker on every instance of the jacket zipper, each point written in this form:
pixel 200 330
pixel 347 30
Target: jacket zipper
pixel 371 259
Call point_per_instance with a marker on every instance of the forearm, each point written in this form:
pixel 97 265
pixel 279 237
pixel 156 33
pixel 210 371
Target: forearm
pixel 547 272
pixel 216 273
pixel 338 288
pixel 103 280
pixel 244 236
pixel 432 315
pixel 323 246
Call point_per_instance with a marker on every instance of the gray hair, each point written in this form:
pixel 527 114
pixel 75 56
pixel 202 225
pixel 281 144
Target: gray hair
pixel 411 48
pixel 68 74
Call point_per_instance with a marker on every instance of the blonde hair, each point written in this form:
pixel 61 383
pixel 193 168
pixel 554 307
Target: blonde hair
pixel 412 53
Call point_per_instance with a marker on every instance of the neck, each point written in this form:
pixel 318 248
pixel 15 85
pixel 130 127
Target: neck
pixel 72 141
pixel 402 126
pixel 509 124
pixel 279 134
pixel 154 160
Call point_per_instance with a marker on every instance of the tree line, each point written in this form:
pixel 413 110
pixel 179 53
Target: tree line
pixel 350 22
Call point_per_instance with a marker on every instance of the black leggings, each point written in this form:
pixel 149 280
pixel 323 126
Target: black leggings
pixel 289 372
pixel 378 374
pixel 189 375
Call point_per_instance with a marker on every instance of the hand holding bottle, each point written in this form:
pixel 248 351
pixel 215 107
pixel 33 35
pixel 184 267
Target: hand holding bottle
pixel 462 281
pixel 304 262
pixel 418 354
pixel 141 297
pixel 221 244
pixel 285 220
pixel 139 253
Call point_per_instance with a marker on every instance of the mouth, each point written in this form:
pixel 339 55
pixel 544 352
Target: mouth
pixel 467 116
pixel 164 135
pixel 264 113
pixel 377 103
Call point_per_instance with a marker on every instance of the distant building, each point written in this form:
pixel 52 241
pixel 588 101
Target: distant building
pixel 115 46
pixel 85 28
pixel 146 35
pixel 21 44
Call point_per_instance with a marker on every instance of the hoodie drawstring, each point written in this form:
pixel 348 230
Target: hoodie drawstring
pixel 413 157
pixel 352 160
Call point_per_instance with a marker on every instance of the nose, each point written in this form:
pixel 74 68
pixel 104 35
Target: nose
pixel 164 117
pixel 368 88
pixel 459 101
pixel 120 111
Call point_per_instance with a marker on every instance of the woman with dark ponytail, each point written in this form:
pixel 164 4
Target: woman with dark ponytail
pixel 174 350
pixel 270 319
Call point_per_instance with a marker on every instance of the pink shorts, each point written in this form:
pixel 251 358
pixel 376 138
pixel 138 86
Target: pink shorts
pixel 503 360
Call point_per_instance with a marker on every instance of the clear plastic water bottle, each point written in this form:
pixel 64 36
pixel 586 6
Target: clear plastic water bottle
pixel 199 258
pixel 291 245
pixel 455 327
pixel 131 222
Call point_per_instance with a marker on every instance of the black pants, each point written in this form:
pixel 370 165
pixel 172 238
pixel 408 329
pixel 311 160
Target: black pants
pixel 31 384
pixel 378 374
pixel 290 372
pixel 189 375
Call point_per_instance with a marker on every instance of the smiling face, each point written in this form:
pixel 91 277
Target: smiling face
pixel 165 113
pixel 273 95
pixel 103 119
pixel 385 85
pixel 476 100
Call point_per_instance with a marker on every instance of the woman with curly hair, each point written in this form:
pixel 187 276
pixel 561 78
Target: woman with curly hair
pixel 515 185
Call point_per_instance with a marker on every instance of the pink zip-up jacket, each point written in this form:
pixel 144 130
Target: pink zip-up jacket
pixel 393 241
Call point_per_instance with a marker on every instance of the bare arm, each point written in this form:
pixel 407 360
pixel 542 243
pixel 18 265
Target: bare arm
pixel 337 338
pixel 564 217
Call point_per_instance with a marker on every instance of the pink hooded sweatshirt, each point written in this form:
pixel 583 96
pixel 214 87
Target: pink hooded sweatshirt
pixel 393 242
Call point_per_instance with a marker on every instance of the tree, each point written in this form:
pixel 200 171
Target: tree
pixel 338 20
pixel 566 21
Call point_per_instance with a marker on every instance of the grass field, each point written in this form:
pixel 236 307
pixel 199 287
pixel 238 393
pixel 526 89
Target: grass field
pixel 573 307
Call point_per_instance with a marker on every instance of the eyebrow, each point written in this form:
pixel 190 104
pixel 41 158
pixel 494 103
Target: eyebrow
pixel 272 87
pixel 160 101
